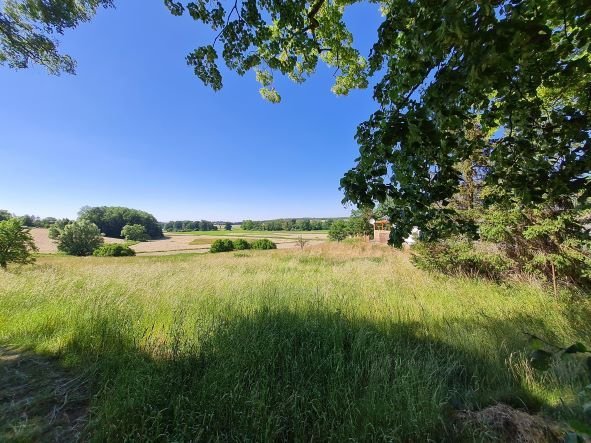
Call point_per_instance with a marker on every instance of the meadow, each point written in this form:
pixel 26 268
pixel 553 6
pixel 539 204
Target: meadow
pixel 337 342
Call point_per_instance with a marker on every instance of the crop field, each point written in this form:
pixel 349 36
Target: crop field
pixel 338 342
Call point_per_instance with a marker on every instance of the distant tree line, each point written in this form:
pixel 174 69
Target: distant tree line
pixel 302 224
pixel 188 225
pixel 31 221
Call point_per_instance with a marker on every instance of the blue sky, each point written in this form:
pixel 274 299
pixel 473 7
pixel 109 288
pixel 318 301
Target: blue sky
pixel 136 128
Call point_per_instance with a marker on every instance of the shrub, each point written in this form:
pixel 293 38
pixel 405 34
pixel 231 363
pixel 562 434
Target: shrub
pixel 79 238
pixel 135 233
pixel 240 244
pixel 114 250
pixel 16 243
pixel 338 231
pixel 458 256
pixel 55 230
pixel 222 245
pixel 551 241
pixel 263 243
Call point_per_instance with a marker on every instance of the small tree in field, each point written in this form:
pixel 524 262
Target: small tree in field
pixel 228 226
pixel 135 233
pixel 79 238
pixel 16 243
pixel 301 242
pixel 338 231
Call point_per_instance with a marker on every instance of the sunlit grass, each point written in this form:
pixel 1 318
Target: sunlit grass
pixel 335 342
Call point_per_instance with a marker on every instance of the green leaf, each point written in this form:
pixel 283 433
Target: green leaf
pixel 540 359
pixel 577 347
pixel 270 94
pixel 535 343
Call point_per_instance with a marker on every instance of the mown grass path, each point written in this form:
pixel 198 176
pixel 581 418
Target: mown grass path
pixel 39 400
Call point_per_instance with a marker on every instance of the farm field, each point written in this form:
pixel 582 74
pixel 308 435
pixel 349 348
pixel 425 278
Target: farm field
pixel 48 246
pixel 337 342
pixel 193 242
pixel 241 233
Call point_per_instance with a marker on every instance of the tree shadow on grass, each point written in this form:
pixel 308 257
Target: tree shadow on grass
pixel 39 400
pixel 279 375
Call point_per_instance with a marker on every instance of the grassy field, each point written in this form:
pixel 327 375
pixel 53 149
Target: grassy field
pixel 338 342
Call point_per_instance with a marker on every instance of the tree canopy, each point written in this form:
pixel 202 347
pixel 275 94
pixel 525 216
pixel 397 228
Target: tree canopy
pixel 112 219
pixel 79 238
pixel 28 27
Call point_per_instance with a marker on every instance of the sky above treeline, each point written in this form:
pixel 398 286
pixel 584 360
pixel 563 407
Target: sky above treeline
pixel 135 127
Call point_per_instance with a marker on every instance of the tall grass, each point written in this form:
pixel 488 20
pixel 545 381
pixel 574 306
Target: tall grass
pixel 337 342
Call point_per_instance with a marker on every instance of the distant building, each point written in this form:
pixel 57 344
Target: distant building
pixel 381 232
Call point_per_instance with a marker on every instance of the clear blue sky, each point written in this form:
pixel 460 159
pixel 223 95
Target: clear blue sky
pixel 136 128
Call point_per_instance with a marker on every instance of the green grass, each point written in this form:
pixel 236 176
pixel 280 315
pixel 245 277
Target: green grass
pixel 340 342
pixel 202 241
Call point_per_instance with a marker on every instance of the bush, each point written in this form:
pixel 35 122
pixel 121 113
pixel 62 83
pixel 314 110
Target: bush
pixel 458 256
pixel 263 243
pixel 16 243
pixel 135 233
pixel 241 244
pixel 114 250
pixel 338 231
pixel 222 245
pixel 79 238
pixel 55 230
pixel 550 241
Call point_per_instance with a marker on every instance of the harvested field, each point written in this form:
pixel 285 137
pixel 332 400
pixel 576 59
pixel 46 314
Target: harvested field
pixel 183 243
pixel 176 243
pixel 48 246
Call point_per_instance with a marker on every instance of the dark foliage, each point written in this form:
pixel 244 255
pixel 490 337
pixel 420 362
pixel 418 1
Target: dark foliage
pixel 111 220
pixel 114 250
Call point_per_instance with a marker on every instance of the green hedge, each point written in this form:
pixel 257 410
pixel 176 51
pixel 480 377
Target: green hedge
pixel 114 250
pixel 241 244
pixel 222 245
pixel 263 243
pixel 225 245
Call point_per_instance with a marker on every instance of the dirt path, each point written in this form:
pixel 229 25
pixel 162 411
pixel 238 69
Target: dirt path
pixel 39 401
